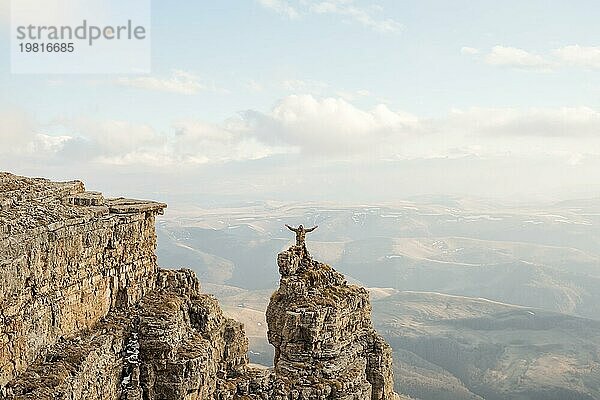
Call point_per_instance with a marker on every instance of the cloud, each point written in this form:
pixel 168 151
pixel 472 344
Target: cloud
pixel 181 82
pixel 579 56
pixel 198 142
pixel 514 57
pixel 106 141
pixel 566 122
pixel 114 136
pixel 469 50
pixel 566 56
pixel 24 137
pixel 188 142
pixel 324 128
pixel 347 9
pixel 330 126
pixel 281 7
pixel 352 12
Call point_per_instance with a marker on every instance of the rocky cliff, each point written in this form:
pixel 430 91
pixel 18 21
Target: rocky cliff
pixel 325 344
pixel 67 258
pixel 87 314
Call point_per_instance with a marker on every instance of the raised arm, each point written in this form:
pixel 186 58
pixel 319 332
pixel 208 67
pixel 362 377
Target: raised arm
pixel 312 229
pixel 291 229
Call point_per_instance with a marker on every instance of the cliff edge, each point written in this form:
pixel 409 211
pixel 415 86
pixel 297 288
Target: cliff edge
pixel 86 313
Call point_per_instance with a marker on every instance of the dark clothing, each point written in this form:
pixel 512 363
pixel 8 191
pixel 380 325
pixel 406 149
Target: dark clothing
pixel 301 234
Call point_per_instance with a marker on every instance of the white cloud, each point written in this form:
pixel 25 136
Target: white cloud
pixel 47 144
pixel 514 57
pixel 104 141
pixel 281 7
pixel 329 126
pixel 114 136
pixel 362 15
pixel 531 133
pixel 189 142
pixel 579 56
pixel 181 82
pixel 325 128
pixel 347 9
pixel 198 142
pixel 566 56
pixel 566 122
pixel 22 135
pixel 469 50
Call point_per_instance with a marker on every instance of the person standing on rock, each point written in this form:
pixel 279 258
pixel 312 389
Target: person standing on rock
pixel 301 234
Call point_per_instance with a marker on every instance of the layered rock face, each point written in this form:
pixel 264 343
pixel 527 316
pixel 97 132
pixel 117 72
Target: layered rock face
pixel 86 313
pixel 174 344
pixel 67 258
pixel 325 344
pixel 180 345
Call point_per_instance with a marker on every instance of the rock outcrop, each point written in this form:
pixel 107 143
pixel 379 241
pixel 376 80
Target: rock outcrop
pixel 86 313
pixel 325 344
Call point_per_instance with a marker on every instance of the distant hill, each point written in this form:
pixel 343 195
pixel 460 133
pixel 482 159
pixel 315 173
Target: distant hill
pixel 478 300
pixel 495 350
pixel 545 257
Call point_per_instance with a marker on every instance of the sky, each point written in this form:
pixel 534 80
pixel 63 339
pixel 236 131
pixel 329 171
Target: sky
pixel 326 100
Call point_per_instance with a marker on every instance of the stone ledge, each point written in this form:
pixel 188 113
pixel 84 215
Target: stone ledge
pixel 127 206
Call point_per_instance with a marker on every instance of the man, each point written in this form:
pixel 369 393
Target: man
pixel 301 234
